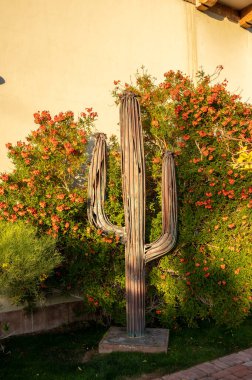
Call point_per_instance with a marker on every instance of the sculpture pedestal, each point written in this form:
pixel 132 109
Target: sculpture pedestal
pixel 116 339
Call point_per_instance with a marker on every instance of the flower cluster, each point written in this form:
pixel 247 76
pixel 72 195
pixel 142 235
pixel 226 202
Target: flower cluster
pixel 42 190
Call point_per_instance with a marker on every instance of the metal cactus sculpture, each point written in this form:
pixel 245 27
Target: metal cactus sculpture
pixel 137 253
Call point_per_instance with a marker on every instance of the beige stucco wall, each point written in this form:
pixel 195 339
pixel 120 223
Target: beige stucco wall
pixel 60 55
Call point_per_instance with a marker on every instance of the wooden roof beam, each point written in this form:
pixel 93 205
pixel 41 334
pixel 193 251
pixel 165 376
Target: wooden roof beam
pixel 204 5
pixel 246 17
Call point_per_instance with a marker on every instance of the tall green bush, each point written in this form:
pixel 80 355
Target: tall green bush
pixel 210 272
pixel 25 261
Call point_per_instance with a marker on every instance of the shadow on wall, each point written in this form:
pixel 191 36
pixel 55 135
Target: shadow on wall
pixel 2 81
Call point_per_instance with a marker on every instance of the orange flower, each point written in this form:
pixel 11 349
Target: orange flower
pixel 205 152
pixel 195 160
pixel 55 227
pixel 60 196
pixel 21 213
pixel 204 109
pixel 13 187
pixel 55 218
pixel 155 123
pixel 156 160
pixel 36 172
pixel 202 133
pixel 60 208
pixel 237 271
pixel 223 266
pixel 231 225
pixel 146 97
pixel 186 137
pixel 4 177
pixel 181 144
pixel 3 205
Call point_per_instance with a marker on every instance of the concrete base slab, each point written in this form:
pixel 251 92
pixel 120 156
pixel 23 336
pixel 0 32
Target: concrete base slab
pixel 116 339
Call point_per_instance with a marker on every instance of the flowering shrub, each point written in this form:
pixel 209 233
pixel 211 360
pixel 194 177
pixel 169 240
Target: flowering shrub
pixel 42 189
pixel 25 261
pixel 47 189
pixel 210 271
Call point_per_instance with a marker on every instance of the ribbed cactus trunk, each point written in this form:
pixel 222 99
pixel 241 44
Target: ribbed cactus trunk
pixel 137 253
pixel 133 183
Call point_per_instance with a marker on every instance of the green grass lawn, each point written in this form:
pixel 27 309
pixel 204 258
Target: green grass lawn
pixel 59 355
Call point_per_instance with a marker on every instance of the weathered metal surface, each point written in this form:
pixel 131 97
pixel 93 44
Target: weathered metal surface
pixel 133 183
pixel 166 242
pixel 97 187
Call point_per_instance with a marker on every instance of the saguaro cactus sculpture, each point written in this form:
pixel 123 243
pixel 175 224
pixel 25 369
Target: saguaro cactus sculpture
pixel 137 253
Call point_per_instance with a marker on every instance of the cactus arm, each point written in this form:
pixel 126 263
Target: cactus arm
pixel 96 189
pixel 167 240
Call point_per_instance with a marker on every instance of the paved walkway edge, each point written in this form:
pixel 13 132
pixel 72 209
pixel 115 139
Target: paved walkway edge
pixel 231 367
